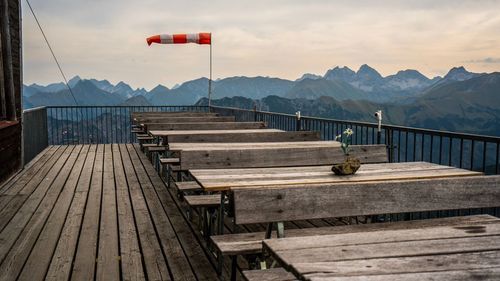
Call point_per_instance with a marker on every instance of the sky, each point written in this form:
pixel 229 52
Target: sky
pixel 279 38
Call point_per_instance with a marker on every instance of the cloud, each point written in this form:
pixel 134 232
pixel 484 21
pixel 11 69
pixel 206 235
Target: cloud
pixel 485 60
pixel 280 38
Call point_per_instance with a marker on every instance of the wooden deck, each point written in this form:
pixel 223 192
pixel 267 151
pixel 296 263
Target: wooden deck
pixel 98 212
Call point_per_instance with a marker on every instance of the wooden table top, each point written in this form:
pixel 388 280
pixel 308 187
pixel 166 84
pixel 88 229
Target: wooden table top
pixel 441 252
pixel 227 179
pixel 166 133
pixel 249 145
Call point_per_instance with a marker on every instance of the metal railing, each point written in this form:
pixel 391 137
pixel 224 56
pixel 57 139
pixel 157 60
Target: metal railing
pixel 111 124
pixel 98 124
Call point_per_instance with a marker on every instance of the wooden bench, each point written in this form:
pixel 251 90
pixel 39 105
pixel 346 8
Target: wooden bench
pixel 208 204
pixel 204 126
pixel 273 274
pixel 171 114
pixel 144 138
pixel 277 157
pixel 188 186
pixel 247 137
pixel 412 253
pixel 169 161
pixel 251 243
pixel 203 201
pixel 177 119
pixel 136 117
pixel 154 146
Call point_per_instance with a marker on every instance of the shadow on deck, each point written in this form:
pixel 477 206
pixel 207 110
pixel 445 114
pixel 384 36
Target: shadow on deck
pixel 100 212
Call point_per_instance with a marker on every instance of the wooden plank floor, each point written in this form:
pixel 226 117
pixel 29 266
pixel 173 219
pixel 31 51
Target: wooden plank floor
pixel 95 212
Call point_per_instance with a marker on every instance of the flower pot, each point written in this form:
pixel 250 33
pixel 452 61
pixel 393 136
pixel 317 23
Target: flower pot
pixel 348 167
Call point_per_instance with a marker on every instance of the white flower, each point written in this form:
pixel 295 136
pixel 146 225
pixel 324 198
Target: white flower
pixel 348 131
pixel 338 137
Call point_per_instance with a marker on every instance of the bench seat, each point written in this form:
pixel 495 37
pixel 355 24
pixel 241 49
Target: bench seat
pixel 251 243
pixel 157 148
pixel 169 161
pixel 151 145
pixel 272 274
pixel 188 186
pixel 203 201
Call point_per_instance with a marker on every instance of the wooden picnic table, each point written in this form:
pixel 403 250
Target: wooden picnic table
pixel 182 119
pixel 178 146
pixel 272 155
pixel 203 126
pixel 164 135
pixel 267 185
pixel 442 252
pixel 228 179
pixel 225 136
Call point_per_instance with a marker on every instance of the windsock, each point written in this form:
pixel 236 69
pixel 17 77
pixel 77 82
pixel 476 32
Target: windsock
pixel 198 38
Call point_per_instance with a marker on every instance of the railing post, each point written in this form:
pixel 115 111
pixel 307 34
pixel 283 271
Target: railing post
pixel 255 113
pixel 389 142
pixel 299 125
pixel 378 115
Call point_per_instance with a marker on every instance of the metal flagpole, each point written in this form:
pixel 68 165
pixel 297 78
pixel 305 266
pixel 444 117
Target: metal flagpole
pixel 210 79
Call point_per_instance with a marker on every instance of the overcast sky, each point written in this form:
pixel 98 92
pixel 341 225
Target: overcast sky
pixel 279 38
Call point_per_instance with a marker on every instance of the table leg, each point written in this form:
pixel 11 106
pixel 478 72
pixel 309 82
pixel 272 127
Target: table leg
pixel 234 262
pixel 269 230
pixel 280 228
pixel 168 172
pixel 220 222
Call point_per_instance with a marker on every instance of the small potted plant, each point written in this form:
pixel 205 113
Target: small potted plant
pixel 350 164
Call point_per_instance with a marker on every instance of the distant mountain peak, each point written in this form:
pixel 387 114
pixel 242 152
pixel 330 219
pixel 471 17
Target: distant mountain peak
pixel 84 83
pixel 343 69
pixel 366 70
pixel 457 70
pixel 75 78
pixel 309 76
pixel 411 74
pixel 73 81
pixel 122 86
pixel 342 73
pixel 138 100
pixel 159 87
pixel 459 74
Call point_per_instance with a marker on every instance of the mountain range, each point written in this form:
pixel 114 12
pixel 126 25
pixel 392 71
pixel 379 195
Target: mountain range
pixel 460 100
pixel 471 105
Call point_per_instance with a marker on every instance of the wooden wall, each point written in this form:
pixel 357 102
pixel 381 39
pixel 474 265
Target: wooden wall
pixel 10 88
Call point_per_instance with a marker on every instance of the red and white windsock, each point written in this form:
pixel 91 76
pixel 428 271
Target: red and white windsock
pixel 198 38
